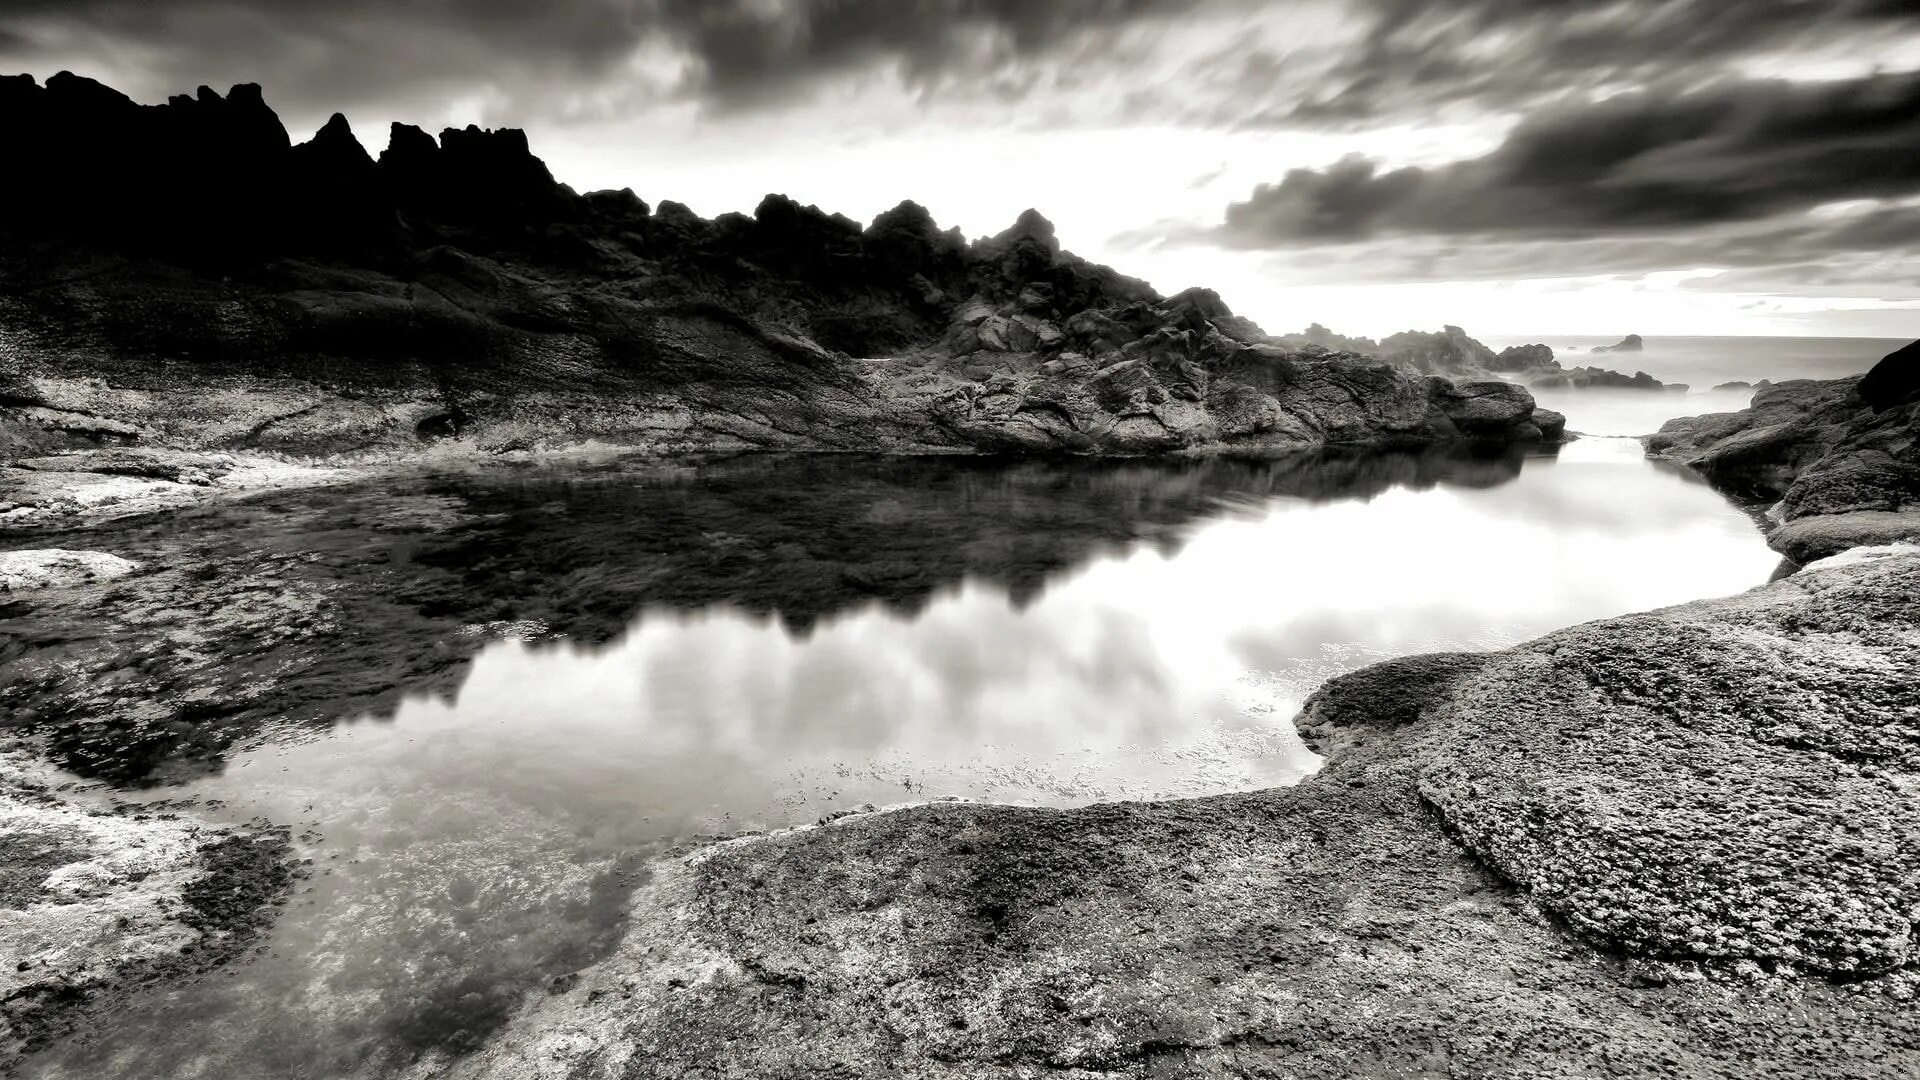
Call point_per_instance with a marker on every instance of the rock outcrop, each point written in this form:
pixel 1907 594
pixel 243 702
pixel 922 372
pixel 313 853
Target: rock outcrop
pixel 1452 353
pixel 1680 843
pixel 1583 378
pixel 312 298
pixel 1630 343
pixel 1839 468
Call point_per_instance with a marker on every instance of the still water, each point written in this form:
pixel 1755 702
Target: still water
pixel 474 845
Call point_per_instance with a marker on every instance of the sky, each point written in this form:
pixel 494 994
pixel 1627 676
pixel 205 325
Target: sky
pixel 1511 166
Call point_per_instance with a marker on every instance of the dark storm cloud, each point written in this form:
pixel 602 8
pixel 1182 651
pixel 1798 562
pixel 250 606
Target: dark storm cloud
pixel 1293 62
pixel 1634 163
pixel 751 51
pixel 730 52
pixel 1422 54
pixel 1869 249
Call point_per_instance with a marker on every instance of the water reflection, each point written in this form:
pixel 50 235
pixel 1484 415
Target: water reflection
pixel 816 634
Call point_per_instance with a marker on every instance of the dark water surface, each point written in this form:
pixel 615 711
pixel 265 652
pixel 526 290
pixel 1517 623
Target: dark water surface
pixel 660 653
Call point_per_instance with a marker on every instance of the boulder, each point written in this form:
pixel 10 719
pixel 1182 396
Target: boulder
pixel 1524 359
pixel 1894 381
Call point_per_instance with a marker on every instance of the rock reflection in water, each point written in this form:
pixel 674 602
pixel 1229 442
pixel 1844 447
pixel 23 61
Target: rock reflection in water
pixel 316 606
pixel 758 643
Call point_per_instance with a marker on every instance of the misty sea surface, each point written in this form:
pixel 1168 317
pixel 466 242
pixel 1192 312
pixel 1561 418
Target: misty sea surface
pixel 1701 363
pixel 1095 631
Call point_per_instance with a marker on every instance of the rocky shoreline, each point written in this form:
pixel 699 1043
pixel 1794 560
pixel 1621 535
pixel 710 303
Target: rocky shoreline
pixel 1673 843
pixel 1678 843
pixel 1837 462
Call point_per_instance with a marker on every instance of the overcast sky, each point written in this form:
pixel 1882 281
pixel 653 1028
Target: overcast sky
pixel 1512 166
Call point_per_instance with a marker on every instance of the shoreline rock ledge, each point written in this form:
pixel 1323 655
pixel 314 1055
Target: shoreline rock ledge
pixel 1837 460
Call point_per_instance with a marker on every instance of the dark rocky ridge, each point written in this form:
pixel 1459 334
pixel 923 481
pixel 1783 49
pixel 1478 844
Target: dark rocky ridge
pixel 1452 353
pixel 451 288
pixel 1837 460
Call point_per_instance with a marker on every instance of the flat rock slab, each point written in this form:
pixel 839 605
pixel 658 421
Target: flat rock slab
pixel 1676 844
pixel 1811 538
pixel 81 489
pixel 52 568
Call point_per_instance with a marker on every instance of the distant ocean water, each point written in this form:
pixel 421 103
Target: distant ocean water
pixel 1700 362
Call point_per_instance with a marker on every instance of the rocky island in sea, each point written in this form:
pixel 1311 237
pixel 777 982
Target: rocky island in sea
pixel 1673 843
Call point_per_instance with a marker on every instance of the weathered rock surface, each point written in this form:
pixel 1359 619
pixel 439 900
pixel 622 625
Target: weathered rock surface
pixel 93 903
pixel 1674 844
pixel 1821 536
pixel 52 568
pixel 77 489
pixel 1843 470
pixel 311 300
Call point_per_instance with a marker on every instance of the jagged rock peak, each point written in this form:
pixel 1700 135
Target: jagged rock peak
pixel 335 129
pixel 501 141
pixel 1206 301
pixel 405 141
pixel 908 218
pixel 1032 224
pixel 335 139
pixel 781 212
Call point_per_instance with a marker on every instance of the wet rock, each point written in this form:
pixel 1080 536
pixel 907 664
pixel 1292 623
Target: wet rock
pixel 94 904
pixel 1581 378
pixel 1758 452
pixel 1821 536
